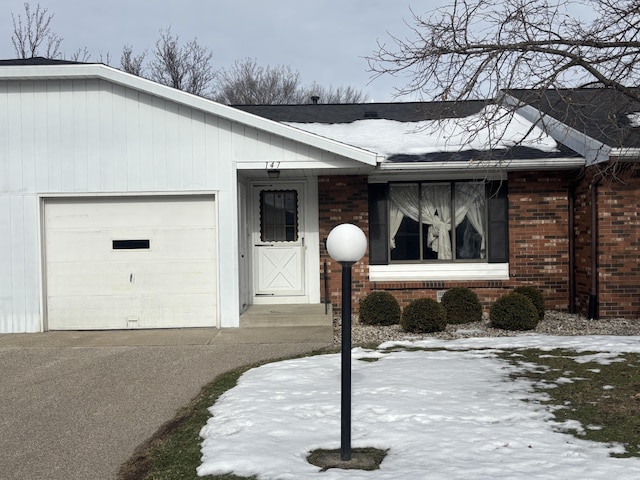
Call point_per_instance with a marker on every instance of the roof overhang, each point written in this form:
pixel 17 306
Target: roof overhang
pixel 479 169
pixel 110 74
pixel 592 150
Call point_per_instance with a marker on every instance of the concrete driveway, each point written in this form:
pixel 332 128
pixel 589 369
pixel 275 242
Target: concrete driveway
pixel 75 405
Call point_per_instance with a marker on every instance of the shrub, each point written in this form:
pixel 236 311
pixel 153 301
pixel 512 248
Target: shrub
pixel 513 311
pixel 536 297
pixel 462 305
pixel 379 308
pixel 424 315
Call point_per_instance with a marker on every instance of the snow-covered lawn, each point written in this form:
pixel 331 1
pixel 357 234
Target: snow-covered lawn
pixel 447 414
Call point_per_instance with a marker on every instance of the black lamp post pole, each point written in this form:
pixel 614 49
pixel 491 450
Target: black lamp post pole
pixel 345 419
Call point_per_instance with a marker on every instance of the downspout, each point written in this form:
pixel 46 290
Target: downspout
pixel 572 247
pixel 593 296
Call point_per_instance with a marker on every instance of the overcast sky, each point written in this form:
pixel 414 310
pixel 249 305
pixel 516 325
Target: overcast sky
pixel 324 40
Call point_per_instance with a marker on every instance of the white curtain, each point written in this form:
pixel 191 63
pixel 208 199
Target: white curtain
pixel 470 203
pixel 436 203
pixel 434 208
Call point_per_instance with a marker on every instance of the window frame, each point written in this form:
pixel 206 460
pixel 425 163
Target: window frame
pixel 269 226
pixel 496 241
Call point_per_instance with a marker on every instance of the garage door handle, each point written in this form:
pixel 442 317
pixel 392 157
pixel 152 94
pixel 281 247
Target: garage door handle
pixel 263 245
pixel 131 277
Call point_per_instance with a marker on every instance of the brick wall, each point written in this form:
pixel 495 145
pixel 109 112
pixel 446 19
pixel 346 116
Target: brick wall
pixel 539 234
pixel 538 231
pixel 343 199
pixel 618 244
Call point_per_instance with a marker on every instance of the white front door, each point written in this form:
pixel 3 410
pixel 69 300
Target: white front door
pixel 278 240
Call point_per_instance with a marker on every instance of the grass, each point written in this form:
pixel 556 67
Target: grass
pixel 605 399
pixel 174 450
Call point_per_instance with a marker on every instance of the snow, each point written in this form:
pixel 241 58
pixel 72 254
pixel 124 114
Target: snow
pixel 450 413
pixel 634 119
pixel 389 137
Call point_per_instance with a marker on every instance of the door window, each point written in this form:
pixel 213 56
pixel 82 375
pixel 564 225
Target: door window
pixel 279 216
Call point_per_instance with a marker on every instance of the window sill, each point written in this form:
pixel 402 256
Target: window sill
pixel 439 272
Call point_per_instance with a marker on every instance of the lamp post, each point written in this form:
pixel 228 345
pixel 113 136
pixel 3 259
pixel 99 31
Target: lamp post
pixel 346 244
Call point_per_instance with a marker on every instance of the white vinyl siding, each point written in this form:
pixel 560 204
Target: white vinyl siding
pixel 90 135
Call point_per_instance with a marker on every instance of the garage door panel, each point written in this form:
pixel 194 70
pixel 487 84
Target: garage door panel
pixel 129 213
pixel 169 312
pixel 116 279
pixel 187 243
pixel 169 282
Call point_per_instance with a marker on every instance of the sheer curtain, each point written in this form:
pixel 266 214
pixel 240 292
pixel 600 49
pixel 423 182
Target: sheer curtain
pixel 433 208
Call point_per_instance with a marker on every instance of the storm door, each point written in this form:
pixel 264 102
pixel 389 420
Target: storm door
pixel 278 251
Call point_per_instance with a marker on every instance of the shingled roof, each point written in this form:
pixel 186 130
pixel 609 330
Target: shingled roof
pixel 36 61
pixel 405 112
pixel 603 114
pixel 350 112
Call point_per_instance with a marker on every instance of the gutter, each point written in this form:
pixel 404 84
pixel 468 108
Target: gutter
pixel 562 163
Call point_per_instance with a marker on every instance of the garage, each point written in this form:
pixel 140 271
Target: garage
pixel 130 262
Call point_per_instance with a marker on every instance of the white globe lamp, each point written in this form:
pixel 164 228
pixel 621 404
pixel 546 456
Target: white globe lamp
pixel 346 244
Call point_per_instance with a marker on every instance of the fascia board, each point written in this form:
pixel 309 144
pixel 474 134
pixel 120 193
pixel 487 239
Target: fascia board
pixel 591 149
pixel 104 72
pixel 563 163
pixel 626 154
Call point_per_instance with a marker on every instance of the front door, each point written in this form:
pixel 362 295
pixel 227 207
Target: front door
pixel 278 240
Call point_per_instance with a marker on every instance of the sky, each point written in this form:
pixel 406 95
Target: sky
pixel 325 41
pixel 448 414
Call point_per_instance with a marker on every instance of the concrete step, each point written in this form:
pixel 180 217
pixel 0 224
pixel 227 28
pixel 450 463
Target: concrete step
pixel 289 315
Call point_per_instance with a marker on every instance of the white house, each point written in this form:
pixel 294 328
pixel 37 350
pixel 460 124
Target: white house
pixel 128 204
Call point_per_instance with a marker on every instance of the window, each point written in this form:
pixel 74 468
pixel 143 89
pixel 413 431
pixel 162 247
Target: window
pixel 420 222
pixel 437 221
pixel 279 216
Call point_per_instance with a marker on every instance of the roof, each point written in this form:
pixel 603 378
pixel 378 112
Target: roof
pixel 36 61
pixel 602 114
pixel 435 133
pixel 350 112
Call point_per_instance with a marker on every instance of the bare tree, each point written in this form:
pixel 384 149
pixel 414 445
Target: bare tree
pixel 131 63
pixel 32 35
pixel 248 83
pixel 480 48
pixel 81 55
pixel 185 67
pixel 329 94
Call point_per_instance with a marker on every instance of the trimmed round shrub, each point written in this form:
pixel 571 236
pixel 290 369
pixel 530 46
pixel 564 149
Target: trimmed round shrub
pixel 424 315
pixel 536 297
pixel 462 305
pixel 513 311
pixel 379 308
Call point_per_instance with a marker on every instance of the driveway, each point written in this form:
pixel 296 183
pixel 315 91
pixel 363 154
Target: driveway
pixel 76 405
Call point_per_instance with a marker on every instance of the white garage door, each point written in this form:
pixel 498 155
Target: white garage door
pixel 144 262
